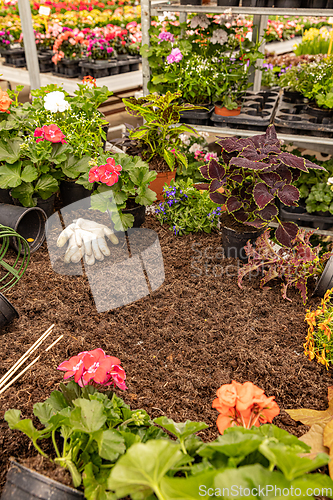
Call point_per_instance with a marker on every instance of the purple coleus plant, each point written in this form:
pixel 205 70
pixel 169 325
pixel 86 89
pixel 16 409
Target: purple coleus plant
pixel 256 173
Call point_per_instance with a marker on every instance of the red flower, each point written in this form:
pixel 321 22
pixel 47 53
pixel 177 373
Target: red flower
pixel 107 176
pixel 53 133
pixel 94 175
pixel 73 366
pixel 117 376
pixel 97 365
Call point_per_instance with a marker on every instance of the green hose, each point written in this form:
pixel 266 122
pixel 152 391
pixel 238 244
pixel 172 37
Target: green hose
pixel 15 271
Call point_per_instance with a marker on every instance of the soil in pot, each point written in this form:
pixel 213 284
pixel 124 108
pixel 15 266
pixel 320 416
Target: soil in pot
pixel 223 111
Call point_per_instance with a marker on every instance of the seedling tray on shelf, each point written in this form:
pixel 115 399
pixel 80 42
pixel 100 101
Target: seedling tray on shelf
pixel 297 118
pixel 14 57
pixel 305 219
pixel 100 69
pixel 256 113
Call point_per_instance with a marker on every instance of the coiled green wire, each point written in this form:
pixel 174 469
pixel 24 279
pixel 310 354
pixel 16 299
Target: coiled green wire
pixel 13 272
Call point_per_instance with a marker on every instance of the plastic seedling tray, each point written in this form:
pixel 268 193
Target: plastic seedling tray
pixel 14 57
pixel 313 220
pixel 300 118
pixel 256 113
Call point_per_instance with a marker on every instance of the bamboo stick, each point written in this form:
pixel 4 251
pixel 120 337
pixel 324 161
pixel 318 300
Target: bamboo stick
pixel 19 375
pixel 54 343
pixel 25 356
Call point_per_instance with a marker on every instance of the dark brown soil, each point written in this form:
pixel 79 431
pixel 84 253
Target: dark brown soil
pixel 177 345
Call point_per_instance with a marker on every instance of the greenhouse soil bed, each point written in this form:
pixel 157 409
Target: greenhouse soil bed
pixel 178 345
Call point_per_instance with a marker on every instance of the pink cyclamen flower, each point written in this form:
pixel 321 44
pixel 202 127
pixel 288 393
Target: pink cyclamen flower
pixel 174 56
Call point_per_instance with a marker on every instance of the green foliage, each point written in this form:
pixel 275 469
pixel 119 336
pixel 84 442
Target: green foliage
pixel 159 135
pixel 187 210
pixel 133 184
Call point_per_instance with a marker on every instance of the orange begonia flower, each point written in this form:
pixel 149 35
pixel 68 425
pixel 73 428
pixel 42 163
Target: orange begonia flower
pixel 5 101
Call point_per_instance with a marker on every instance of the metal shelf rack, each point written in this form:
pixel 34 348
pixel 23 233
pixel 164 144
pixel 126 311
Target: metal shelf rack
pixel 260 17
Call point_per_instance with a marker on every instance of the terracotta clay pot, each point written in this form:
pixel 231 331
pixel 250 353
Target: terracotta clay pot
pixel 222 111
pixel 158 183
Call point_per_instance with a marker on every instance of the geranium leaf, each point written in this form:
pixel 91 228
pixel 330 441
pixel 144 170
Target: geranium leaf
pixel 261 195
pixel 180 430
pixel 286 233
pixel 288 195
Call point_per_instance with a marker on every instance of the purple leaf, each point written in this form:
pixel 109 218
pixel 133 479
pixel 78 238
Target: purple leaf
pixel 309 164
pixel 201 186
pixel 237 178
pixel 259 223
pixel 204 171
pixel 215 170
pixel 240 216
pixel 215 185
pixel 251 165
pixel 270 179
pixel 218 198
pixel 286 233
pixel 301 286
pixel 268 212
pixel 271 133
pixel 288 195
pixel 293 161
pixel 261 195
pixel 253 154
pixel 285 174
pixel 227 144
pixel 233 204
pixel 258 141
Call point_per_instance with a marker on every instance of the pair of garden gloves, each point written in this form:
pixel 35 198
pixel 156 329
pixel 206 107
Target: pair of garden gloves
pixel 86 238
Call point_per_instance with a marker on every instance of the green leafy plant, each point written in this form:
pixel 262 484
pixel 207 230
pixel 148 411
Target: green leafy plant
pixel 293 265
pixel 187 210
pixel 131 187
pixel 314 41
pixel 159 135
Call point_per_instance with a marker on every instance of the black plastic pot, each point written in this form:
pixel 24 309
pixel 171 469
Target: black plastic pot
pixel 98 69
pixel 319 113
pixel 28 222
pixel 67 67
pixel 71 192
pixel 326 280
pixel 47 205
pixel 314 4
pixel 14 57
pixel 233 242
pixel 197 116
pixel 25 484
pixel 139 213
pixel 7 311
pixel 293 96
pixel 190 2
pixel 228 3
pixel 45 61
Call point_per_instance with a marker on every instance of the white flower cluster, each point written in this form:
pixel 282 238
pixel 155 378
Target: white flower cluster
pixel 200 21
pixel 56 102
pixel 185 139
pixel 330 180
pixel 219 36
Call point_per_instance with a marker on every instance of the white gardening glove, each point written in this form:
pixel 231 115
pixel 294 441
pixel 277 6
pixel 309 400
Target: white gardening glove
pixel 86 238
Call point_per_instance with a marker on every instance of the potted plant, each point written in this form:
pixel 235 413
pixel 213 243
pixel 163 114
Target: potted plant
pixel 101 58
pixel 95 427
pixel 123 189
pixel 12 51
pixel 68 48
pixel 158 138
pixel 254 174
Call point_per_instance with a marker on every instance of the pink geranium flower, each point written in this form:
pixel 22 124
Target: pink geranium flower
pixel 53 133
pixel 73 366
pixel 174 56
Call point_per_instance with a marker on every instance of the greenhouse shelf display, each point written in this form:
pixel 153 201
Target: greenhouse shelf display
pixel 259 26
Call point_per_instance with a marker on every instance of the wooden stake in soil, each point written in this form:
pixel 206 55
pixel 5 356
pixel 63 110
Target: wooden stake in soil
pixel 25 356
pixel 27 367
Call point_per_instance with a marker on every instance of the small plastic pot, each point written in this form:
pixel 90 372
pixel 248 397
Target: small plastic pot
pixel 222 111
pixel 319 113
pixel 7 311
pixel 5 196
pixel 28 222
pixel 233 242
pixel 25 484
pixel 325 282
pixel 190 2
